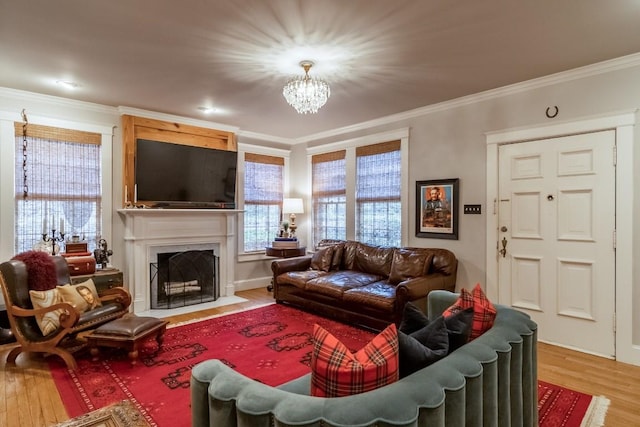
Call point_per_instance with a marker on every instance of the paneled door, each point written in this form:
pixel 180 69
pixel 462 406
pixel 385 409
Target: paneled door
pixel 557 237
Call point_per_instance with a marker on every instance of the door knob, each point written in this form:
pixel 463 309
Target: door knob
pixel 504 228
pixel 503 251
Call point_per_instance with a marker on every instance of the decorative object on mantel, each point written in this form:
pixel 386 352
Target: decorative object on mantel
pixel 292 207
pixel 306 94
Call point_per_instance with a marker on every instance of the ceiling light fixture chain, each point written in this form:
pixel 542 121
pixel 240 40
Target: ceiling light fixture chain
pixel 306 94
pixel 25 143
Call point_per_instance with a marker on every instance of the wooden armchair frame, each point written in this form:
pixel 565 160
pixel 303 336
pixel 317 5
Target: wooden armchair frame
pixel 64 341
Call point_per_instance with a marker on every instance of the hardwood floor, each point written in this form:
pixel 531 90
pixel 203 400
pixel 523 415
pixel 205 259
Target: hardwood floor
pixel 28 396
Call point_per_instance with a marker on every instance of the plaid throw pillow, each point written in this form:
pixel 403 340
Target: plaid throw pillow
pixel 484 313
pixel 336 371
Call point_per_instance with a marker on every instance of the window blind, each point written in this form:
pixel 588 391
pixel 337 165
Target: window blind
pixel 328 175
pixel 378 190
pixel 64 180
pixel 263 193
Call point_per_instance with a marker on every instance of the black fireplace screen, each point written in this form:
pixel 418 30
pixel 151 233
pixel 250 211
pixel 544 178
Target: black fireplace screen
pixel 184 278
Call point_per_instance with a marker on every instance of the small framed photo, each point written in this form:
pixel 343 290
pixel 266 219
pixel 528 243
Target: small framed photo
pixel 437 209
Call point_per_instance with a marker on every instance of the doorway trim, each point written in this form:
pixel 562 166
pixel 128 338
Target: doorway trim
pixel 623 123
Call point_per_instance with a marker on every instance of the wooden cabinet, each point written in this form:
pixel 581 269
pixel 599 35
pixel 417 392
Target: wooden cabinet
pixel 103 279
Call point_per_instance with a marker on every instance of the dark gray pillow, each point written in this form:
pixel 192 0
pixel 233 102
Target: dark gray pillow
pixel 458 325
pixel 423 347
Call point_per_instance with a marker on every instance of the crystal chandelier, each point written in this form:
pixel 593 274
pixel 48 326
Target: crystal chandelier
pixel 306 94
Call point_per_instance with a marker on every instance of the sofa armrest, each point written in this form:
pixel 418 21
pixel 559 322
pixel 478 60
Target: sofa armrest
pixel 419 287
pixel 300 263
pixel 117 294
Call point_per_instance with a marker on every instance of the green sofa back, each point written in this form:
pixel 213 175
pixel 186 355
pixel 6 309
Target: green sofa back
pixel 491 381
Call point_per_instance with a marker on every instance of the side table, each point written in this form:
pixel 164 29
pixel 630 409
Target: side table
pixel 283 253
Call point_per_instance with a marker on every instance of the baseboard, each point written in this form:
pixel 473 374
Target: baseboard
pixel 245 285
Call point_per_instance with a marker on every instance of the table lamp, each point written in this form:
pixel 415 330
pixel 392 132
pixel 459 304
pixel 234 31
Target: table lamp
pixel 292 207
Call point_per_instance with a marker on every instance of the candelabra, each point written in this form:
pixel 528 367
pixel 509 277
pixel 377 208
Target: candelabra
pixel 53 238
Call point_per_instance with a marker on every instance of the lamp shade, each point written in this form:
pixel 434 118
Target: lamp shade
pixel 292 206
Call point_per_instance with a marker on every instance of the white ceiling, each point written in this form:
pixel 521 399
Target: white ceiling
pixel 380 57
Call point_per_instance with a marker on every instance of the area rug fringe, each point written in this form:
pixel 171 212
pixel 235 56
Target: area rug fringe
pixel 200 319
pixel 596 412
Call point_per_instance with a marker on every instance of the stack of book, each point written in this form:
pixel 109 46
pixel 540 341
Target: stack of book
pixel 285 243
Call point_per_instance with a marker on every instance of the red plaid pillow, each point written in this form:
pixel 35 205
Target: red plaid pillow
pixel 336 371
pixel 484 313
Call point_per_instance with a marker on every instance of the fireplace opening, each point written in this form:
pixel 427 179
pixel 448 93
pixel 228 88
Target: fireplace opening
pixel 184 278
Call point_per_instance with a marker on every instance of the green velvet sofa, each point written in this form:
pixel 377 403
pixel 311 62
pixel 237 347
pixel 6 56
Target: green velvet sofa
pixel 491 381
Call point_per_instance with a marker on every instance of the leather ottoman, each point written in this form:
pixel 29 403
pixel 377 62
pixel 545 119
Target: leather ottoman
pixel 128 333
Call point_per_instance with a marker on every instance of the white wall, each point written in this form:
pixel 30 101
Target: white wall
pixel 449 141
pixel 446 141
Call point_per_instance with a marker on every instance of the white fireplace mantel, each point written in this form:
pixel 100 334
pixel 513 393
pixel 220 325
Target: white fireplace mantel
pixel 148 229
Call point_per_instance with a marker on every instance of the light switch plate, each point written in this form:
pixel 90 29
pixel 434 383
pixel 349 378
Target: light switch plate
pixel 473 209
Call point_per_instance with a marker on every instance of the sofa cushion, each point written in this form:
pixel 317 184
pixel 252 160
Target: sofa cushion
pixel 82 296
pixel 321 259
pixel 335 283
pixel 380 295
pixel 373 259
pixel 407 264
pixel 337 372
pixel 458 325
pixel 50 321
pixel 484 313
pixel 299 279
pixel 336 261
pixel 423 347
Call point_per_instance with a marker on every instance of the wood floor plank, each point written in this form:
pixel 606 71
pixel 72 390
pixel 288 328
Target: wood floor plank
pixel 617 381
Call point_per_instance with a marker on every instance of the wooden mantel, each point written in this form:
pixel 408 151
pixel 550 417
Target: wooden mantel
pixel 134 128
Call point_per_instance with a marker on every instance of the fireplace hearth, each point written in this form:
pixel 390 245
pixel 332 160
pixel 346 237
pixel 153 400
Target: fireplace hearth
pixel 149 232
pixel 179 279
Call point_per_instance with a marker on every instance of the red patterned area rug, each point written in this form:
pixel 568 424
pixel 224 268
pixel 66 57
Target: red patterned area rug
pixel 271 344
pixel 561 407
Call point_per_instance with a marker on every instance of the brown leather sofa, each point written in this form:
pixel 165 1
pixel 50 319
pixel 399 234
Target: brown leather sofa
pixel 362 284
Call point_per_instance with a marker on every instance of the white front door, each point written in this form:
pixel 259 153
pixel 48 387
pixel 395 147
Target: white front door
pixel 557 236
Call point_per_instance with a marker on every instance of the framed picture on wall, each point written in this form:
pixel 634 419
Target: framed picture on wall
pixel 437 208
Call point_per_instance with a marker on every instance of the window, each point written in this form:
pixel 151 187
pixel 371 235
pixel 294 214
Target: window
pixel 328 175
pixel 263 184
pixel 358 190
pixel 378 187
pixel 63 188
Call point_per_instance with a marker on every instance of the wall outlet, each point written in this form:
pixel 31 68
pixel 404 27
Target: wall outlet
pixel 473 209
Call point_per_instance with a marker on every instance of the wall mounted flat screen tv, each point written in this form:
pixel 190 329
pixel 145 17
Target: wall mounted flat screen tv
pixel 183 176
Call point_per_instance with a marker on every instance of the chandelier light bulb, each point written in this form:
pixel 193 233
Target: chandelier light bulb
pixel 306 94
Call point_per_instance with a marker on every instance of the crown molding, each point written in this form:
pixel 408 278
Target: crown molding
pixel 264 137
pixel 22 95
pixel 598 68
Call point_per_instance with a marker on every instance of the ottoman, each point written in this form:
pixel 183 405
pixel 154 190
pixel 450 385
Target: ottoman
pixel 127 333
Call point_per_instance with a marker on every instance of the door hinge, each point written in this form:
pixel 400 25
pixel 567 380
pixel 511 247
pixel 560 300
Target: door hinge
pixel 615 238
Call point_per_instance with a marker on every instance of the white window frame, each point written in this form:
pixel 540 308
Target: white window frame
pixel 350 159
pixel 267 151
